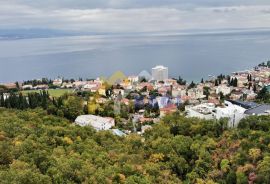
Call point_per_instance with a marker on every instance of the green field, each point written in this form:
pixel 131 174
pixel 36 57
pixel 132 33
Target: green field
pixel 52 92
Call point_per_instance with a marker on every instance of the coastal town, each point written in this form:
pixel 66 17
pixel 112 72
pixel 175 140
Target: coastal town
pixel 137 102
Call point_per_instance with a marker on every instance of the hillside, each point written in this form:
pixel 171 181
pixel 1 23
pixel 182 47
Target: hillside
pixel 39 148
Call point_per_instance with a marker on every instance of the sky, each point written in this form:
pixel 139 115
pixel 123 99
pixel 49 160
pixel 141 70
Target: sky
pixel 129 16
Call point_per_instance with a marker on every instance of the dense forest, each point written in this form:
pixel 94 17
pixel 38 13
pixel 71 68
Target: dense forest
pixel 39 148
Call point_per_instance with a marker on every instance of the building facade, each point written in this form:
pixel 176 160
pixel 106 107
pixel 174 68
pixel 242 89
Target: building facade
pixel 160 73
pixel 97 122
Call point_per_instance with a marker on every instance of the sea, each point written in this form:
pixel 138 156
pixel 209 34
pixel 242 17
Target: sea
pixel 191 56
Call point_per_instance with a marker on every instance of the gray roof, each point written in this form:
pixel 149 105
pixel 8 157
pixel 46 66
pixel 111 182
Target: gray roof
pixel 246 105
pixel 260 109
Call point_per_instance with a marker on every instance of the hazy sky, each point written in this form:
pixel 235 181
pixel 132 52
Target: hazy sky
pixel 134 15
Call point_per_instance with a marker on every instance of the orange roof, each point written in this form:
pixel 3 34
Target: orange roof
pixel 169 108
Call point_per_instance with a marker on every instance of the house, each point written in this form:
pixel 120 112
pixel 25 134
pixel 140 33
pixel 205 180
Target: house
pixel 185 98
pixel 67 85
pixel 168 110
pixel 213 96
pixel 97 122
pixel 170 82
pixel 196 93
pixel 57 82
pixel 79 84
pixel 176 92
pixel 223 89
pixel 147 85
pixel 214 101
pixel 250 94
pixel 163 101
pixel 242 80
pixel 92 86
pixel 42 87
pixel 133 79
pixel 27 87
pixel 236 95
pixel 163 90
pixel 10 85
pixel 117 92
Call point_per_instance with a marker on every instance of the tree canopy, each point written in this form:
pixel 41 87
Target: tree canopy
pixel 39 148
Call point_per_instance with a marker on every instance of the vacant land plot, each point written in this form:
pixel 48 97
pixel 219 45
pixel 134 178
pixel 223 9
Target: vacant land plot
pixel 52 92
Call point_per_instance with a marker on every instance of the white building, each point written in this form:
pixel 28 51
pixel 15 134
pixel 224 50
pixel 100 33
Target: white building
pixel 223 89
pixel 133 79
pixel 162 101
pixel 26 87
pixel 160 73
pixel 91 86
pixel 97 122
pixel 196 93
pixel 58 82
pixel 178 92
pixel 234 113
pixel 202 111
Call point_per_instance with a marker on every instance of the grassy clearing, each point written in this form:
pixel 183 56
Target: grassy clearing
pixel 52 92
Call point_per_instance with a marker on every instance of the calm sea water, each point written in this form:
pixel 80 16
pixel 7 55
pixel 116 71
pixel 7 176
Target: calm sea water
pixel 191 56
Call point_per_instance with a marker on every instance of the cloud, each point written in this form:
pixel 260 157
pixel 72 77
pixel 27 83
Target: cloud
pixel 134 15
pixel 123 4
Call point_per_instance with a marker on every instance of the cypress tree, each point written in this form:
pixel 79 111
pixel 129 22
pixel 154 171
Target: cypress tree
pixel 216 82
pixel 249 85
pixel 254 88
pixel 219 80
pixel 229 79
pixel 235 83
pixel 2 100
pixel 202 81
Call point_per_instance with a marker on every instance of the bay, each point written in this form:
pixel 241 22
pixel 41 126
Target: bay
pixel 193 56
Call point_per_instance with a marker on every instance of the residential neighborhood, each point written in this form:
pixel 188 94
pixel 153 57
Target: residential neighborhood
pixel 148 97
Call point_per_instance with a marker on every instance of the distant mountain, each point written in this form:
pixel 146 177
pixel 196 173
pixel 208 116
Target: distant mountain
pixel 33 33
pixel 11 34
